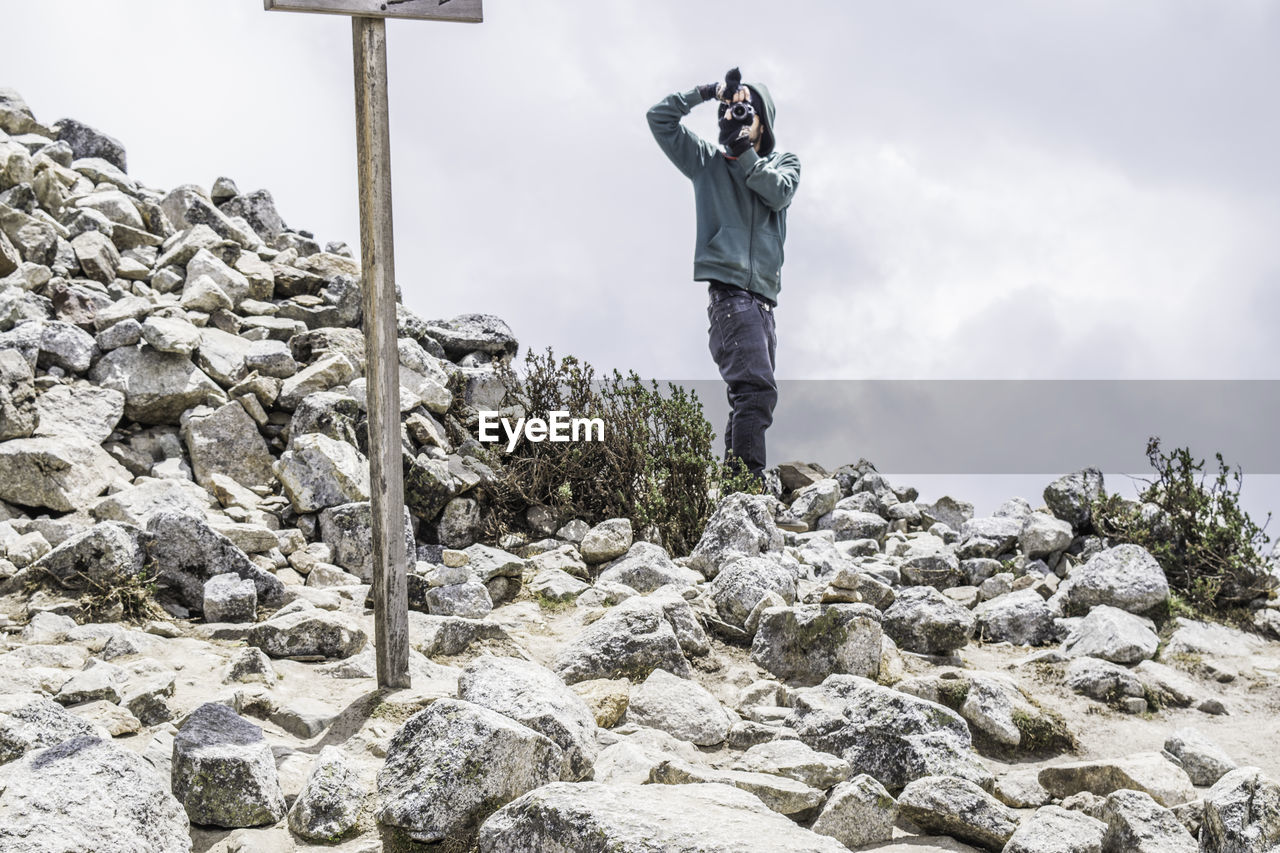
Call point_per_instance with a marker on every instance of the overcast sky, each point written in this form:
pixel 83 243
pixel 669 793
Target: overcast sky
pixel 1004 189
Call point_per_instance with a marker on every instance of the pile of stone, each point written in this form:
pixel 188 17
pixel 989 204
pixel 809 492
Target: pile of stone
pixel 837 665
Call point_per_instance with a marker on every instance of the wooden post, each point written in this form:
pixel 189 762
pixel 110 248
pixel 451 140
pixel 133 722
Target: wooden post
pixel 382 357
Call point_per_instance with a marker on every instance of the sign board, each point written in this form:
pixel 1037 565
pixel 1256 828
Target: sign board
pixel 465 11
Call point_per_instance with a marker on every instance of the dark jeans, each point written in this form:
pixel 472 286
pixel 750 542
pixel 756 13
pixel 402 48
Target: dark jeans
pixel 743 343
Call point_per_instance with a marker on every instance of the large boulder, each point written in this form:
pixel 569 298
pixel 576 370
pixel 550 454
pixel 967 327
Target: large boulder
pixel 1241 814
pixel 18 411
pixel 223 771
pixel 857 813
pixel 81 409
pixel 742 525
pixel 1150 772
pixel 1021 617
pixel 783 795
pixel 348 531
pixel 1071 497
pixel 950 805
pixel 1204 760
pixel 1110 633
pixel 61 474
pixel 742 584
pixel 534 696
pixel 103 557
pixel 806 643
pixel 795 760
pixel 893 737
pixel 157 386
pixel 1053 829
pixel 682 708
pixel 629 641
pixel 89 794
pixel 330 802
pixel 925 621
pixel 629 818
pixel 647 566
pixel 318 472
pixel 310 633
pixel 39 724
pixel 1138 824
pixel 1126 576
pixel 468 333
pixel 185 552
pixel 451 765
pixel 226 441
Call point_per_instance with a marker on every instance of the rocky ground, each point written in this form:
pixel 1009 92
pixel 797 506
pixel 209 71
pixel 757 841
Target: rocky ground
pixel 838 665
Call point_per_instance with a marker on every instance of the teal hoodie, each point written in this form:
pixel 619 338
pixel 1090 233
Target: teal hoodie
pixel 741 204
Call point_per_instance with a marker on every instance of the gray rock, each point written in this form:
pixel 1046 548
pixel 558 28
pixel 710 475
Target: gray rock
pixel 157 386
pixel 223 770
pixel 1102 680
pixel 533 696
pixel 79 410
pixel 18 411
pixel 270 358
pixel 1044 534
pixel 330 802
pixel 88 794
pixel 1056 830
pixel 451 765
pixel 556 585
pixel 683 620
pixel 629 641
pixel 1071 497
pixel 742 525
pixel 782 795
pixel 629 818
pixel 319 472
pixel 185 552
pixel 230 598
pixel 953 806
pixel 61 474
pixel 1149 772
pixel 89 143
pixel 1138 824
pixel 1020 617
pixel 473 332
pixel 469 600
pixel 806 643
pixel 125 333
pixel 170 334
pixel 679 707
pixel 1204 761
pixel 259 210
pixel 606 541
pixel 227 442
pixel 1126 576
pixel 248 665
pixel 347 530
pixel 137 505
pixel 743 583
pixel 104 556
pixel 923 620
pixel 98 257
pixel 858 813
pixel 795 760
pixel 39 724
pixel 852 524
pixel 1241 814
pixel 98 680
pixel 460 524
pixel 891 736
pixel 1112 634
pixel 323 374
pixel 310 633
pixel 67 347
pixel 815 500
pixel 1167 685
pixel 647 566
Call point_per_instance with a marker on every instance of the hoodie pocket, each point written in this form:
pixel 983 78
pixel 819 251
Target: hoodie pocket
pixel 729 247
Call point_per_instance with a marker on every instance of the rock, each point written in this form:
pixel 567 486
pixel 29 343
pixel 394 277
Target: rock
pixel 858 813
pixel 308 633
pixel 742 583
pixel 806 643
pixel 186 552
pixel 606 697
pixel 259 210
pixel 270 358
pixel 1205 638
pixel 1056 830
pixel 532 695
pixel 157 386
pixel 1149 772
pixel 97 255
pixel 1020 789
pixel 794 760
pixel 116 721
pixel 66 347
pixel 223 770
pixel 249 665
pixel 229 598
pixel 450 765
pixel 607 540
pixel 335 369
pixel 1071 497
pixel 18 410
pixel 471 333
pixel 469 600
pixel 815 500
pixel 1138 824
pixel 850 586
pixel 61 474
pixel 137 505
pixel 1112 634
pixel 782 795
pixel 679 707
pixel 103 557
pixel 1167 685
pixel 1241 814
pixel 646 567
pixel 1102 680
pixel 629 641
pixel 557 586
pixel 39 724
pixel 894 737
pixel 1126 576
pixel 98 680
pixel 435 636
pixel 1043 535
pixel 88 794
pixel 852 524
pixel 319 472
pixel 957 807
pixel 923 620
pixel 742 525
pixel 88 143
pixel 227 442
pixel 629 818
pixel 633 758
pixel 460 524
pixel 347 530
pixel 169 334
pixel 1021 618
pixel 1202 759
pixel 329 804
pixel 80 410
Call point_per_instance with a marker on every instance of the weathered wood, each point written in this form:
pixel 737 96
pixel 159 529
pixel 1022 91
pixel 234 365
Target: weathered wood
pixel 464 11
pixel 382 374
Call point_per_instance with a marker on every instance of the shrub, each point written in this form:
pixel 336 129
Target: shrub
pixel 655 464
pixel 1211 550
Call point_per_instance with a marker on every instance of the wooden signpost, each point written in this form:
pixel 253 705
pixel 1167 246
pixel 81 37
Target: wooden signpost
pixel 377 257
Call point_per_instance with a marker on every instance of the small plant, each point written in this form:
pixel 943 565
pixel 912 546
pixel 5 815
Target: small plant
pixel 1210 549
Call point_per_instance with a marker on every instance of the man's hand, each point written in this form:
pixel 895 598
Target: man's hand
pixel 716 90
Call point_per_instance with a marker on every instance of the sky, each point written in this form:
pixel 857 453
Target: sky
pixel 1012 189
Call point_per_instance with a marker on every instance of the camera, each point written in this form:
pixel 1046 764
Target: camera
pixel 742 111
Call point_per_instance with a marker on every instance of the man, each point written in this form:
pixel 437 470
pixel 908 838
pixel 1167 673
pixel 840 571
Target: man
pixel 741 192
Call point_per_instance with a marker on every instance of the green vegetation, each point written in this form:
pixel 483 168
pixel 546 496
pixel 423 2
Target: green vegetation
pixel 1043 732
pixel 1214 555
pixel 654 466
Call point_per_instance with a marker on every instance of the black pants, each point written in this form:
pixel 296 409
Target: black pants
pixel 743 343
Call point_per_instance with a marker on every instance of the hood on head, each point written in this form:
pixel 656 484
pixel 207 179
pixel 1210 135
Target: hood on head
pixel 766 142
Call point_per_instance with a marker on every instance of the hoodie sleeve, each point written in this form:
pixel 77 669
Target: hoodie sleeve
pixel 687 150
pixel 774 181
